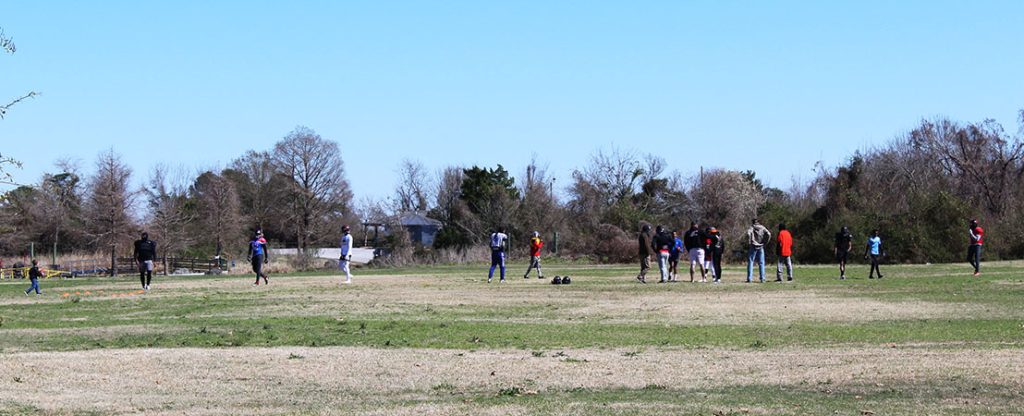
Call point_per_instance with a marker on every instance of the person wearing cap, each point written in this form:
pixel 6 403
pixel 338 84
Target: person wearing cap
pixel 843 246
pixel 645 252
pixel 974 250
pixel 346 252
pixel 259 255
pixel 715 249
pixel 784 253
pixel 535 246
pixel 145 254
pixel 757 237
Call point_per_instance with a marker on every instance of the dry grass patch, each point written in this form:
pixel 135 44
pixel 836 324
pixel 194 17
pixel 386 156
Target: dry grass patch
pixel 270 380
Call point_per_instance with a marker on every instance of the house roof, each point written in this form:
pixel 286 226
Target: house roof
pixel 412 219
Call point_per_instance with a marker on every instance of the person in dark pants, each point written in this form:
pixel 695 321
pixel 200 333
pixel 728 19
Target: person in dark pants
pixel 145 255
pixel 34 275
pixel 974 250
pixel 645 252
pixel 716 249
pixel 499 243
pixel 874 251
pixel 842 249
pixel 258 256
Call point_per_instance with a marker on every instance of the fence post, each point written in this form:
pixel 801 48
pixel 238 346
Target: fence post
pixel 113 260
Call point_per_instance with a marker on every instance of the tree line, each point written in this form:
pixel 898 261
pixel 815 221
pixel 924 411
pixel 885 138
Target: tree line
pixel 919 190
pixel 297 191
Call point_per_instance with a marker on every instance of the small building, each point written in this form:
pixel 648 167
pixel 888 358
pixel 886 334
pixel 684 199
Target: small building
pixel 421 229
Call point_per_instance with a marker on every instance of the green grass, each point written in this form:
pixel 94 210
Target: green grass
pixel 452 307
pixel 234 316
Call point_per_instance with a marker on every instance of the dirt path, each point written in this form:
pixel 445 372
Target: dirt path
pixel 326 380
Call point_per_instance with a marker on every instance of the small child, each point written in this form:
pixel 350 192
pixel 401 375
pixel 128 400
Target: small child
pixel 34 274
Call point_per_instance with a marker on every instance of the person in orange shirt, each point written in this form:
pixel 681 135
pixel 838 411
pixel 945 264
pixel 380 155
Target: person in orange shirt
pixel 535 246
pixel 784 249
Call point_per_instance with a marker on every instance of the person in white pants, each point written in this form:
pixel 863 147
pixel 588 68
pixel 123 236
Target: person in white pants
pixel 346 253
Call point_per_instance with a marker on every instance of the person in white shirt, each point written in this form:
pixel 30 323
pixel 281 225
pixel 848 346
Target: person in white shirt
pixel 346 253
pixel 498 242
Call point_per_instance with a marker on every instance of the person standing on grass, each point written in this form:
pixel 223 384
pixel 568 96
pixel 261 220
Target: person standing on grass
pixel 842 249
pixel 784 251
pixel 535 245
pixel 974 250
pixel 715 250
pixel 34 274
pixel 708 264
pixel 259 255
pixel 874 251
pixel 757 237
pixel 498 242
pixel 145 254
pixel 346 253
pixel 662 244
pixel 694 243
pixel 645 252
pixel 673 257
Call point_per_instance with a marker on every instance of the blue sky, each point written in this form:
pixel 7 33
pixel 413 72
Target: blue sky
pixel 762 85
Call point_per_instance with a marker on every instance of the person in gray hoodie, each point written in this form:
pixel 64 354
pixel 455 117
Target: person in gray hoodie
pixel 757 237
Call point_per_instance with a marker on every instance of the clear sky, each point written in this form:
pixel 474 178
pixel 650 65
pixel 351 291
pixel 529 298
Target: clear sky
pixel 763 85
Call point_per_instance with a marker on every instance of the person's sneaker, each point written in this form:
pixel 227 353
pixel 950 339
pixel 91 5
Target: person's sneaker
pixel 256 284
pixel 662 281
pixel 488 280
pixel 348 282
pixel 747 281
pixel 762 281
pixel 716 281
pixel 871 277
pixel 842 277
pixel 976 274
pixel 540 277
pixel 526 277
pixel 501 280
pixel 26 293
pixel 789 279
pixel 778 279
pixel 879 276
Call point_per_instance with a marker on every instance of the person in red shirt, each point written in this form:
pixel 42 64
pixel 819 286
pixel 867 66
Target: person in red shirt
pixel 974 250
pixel 784 250
pixel 535 246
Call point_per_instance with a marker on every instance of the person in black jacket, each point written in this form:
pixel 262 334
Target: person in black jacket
pixel 145 254
pixel 645 252
pixel 662 245
pixel 694 242
pixel 34 275
pixel 715 251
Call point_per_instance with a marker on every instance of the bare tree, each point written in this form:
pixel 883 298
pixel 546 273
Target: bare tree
pixel 726 199
pixel 539 209
pixel 320 189
pixel 217 206
pixel 5 176
pixel 170 211
pixel 414 187
pixel 7 44
pixel 109 204
pixel 253 174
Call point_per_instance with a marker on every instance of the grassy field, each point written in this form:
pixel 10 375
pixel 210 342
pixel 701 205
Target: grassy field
pixel 440 340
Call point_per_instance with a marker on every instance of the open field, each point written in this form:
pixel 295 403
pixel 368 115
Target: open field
pixel 439 340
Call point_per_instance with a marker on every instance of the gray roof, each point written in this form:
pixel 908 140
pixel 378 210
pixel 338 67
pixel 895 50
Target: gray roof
pixel 413 219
